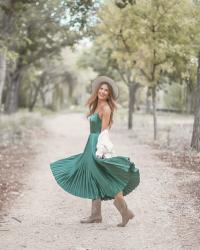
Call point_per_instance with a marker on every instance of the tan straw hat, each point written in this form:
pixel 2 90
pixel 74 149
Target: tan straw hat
pixel 106 79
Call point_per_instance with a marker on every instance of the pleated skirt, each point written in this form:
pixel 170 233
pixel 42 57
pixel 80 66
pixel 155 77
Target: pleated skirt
pixel 86 176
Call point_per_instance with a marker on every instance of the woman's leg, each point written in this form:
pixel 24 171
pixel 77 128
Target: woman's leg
pixel 119 195
pixel 121 206
pixel 95 216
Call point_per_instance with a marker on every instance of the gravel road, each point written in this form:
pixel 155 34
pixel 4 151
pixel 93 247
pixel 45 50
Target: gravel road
pixel 46 217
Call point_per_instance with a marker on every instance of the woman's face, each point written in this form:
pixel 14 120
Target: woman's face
pixel 103 92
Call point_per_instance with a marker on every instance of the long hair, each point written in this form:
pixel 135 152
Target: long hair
pixel 93 101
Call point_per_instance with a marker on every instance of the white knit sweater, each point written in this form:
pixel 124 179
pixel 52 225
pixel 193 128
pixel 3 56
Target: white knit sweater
pixel 104 148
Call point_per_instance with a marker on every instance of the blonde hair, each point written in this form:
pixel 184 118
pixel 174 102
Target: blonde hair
pixel 93 101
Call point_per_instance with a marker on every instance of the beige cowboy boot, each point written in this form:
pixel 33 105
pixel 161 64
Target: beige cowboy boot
pixel 95 216
pixel 126 213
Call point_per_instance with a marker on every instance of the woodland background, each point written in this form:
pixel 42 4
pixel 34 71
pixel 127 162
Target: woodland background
pixel 51 50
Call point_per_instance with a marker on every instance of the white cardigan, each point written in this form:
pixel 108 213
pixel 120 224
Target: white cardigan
pixel 104 148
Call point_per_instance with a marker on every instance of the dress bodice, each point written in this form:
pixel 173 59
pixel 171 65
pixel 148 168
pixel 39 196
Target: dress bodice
pixel 95 123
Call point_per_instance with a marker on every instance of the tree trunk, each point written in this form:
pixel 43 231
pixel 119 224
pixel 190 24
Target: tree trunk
pixel 195 143
pixel 11 104
pixel 132 99
pixel 154 111
pixel 134 91
pixel 7 26
pixel 189 97
pixel 42 95
pixel 148 103
pixel 2 72
pixel 130 109
pixel 33 98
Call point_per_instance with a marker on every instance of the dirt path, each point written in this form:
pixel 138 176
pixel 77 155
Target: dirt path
pixel 48 217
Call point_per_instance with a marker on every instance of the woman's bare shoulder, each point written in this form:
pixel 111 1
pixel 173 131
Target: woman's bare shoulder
pixel 106 109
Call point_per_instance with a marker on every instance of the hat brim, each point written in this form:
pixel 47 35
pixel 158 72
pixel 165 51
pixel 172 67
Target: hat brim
pixel 108 80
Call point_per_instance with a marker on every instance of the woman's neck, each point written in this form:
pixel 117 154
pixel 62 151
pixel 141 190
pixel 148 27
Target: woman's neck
pixel 101 103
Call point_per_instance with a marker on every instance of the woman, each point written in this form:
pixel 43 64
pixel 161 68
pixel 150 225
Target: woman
pixel 92 175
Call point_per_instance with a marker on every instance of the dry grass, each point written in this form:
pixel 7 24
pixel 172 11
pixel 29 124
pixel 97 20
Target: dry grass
pixel 16 148
pixel 172 146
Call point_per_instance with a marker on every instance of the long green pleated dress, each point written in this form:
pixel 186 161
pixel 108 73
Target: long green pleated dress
pixel 87 176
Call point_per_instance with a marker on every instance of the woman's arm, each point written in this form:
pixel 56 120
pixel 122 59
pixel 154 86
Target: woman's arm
pixel 104 145
pixel 105 118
